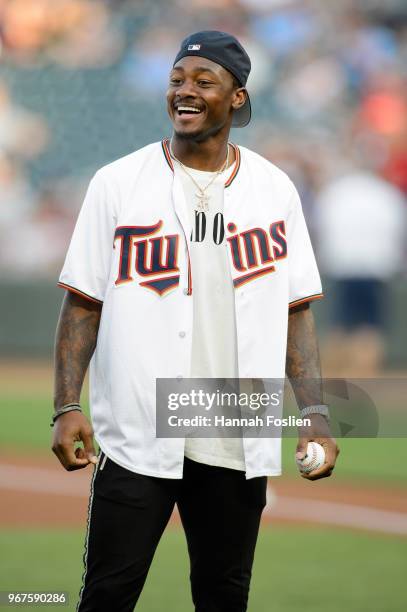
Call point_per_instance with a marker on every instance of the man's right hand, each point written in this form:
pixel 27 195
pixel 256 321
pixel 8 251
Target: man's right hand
pixel 70 428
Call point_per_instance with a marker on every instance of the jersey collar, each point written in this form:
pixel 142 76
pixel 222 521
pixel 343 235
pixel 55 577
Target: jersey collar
pixel 166 151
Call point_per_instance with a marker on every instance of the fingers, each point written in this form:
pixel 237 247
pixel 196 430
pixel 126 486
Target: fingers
pixel 331 450
pixel 80 453
pixel 331 453
pixel 70 459
pixel 69 429
pixel 323 472
pixel 301 449
pixel 89 449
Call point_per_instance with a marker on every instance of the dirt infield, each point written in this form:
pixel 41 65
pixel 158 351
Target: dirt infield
pixel 37 492
pixel 37 375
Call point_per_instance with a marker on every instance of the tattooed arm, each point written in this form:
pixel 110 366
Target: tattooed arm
pixel 304 372
pixel 75 342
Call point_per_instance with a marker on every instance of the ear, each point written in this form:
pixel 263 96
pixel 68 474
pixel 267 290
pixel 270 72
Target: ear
pixel 239 98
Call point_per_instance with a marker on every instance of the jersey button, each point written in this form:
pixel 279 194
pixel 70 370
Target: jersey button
pixel 185 291
pixel 182 334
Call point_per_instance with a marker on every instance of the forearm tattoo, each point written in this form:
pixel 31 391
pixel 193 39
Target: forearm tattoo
pixel 302 363
pixel 75 342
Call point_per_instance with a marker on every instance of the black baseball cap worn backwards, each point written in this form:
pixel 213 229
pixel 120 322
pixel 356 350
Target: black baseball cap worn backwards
pixel 225 50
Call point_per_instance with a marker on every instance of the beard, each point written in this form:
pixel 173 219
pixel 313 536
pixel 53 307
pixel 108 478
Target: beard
pixel 200 135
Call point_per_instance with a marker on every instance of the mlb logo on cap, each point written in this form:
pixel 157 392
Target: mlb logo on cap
pixel 194 47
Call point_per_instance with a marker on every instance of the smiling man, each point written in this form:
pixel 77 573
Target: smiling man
pixel 190 258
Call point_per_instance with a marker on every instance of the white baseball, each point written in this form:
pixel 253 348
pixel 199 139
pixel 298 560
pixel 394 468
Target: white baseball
pixel 314 458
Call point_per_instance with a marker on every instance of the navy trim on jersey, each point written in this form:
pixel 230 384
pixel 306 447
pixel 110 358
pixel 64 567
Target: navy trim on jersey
pixel 78 292
pixel 310 298
pixel 166 151
pixel 168 159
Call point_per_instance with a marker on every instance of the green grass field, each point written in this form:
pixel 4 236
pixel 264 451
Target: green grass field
pixel 295 569
pixel 307 569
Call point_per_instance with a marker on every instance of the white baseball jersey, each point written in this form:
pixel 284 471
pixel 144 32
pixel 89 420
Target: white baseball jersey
pixel 130 251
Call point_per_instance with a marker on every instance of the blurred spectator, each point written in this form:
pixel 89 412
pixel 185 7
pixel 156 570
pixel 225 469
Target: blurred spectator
pixel 86 35
pixel 285 28
pixel 382 118
pixel 292 156
pixel 146 66
pixel 75 33
pixel 366 48
pixel 43 233
pixel 17 198
pixel 313 86
pixel 361 232
pixel 23 133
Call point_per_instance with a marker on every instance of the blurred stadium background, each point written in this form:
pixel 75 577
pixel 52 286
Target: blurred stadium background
pixel 82 82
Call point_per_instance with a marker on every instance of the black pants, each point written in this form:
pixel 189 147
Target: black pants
pixel 220 512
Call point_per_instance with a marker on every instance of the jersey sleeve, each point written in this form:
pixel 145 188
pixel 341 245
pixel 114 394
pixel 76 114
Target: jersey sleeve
pixel 304 280
pixel 87 263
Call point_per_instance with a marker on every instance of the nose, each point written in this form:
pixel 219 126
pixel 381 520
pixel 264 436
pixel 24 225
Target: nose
pixel 186 90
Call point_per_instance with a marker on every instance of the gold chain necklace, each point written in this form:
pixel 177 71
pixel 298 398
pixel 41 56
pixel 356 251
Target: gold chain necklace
pixel 202 196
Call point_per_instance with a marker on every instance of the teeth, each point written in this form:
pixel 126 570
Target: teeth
pixel 188 109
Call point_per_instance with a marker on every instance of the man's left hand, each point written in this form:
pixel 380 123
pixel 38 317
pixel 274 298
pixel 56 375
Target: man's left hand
pixel 318 431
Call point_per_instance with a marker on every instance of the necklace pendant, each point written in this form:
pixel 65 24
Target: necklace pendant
pixel 203 202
